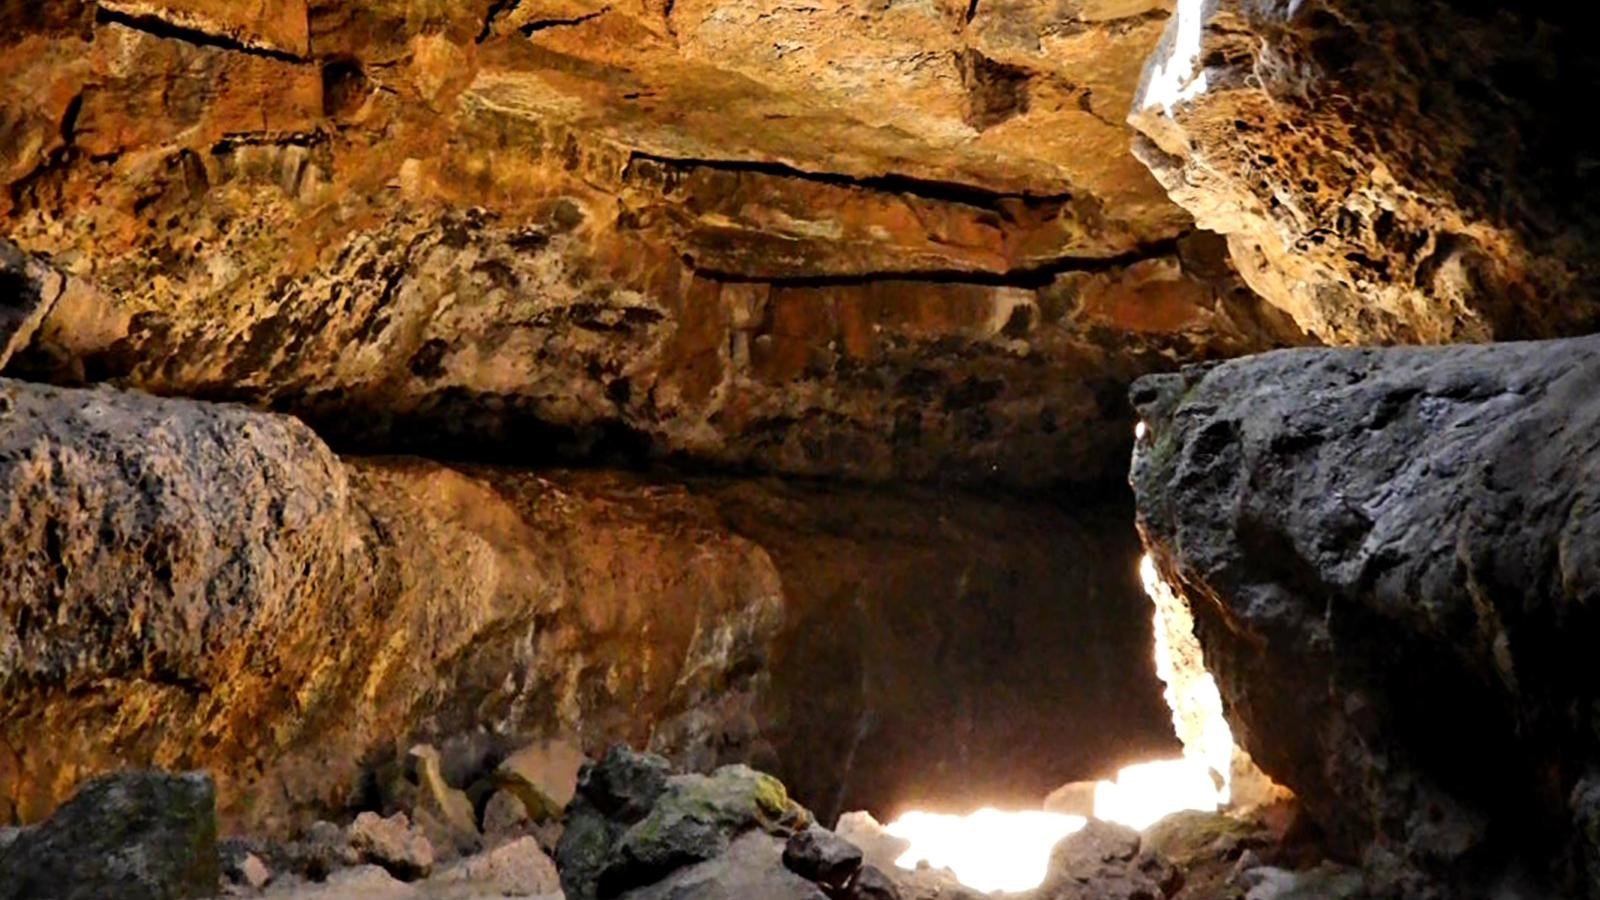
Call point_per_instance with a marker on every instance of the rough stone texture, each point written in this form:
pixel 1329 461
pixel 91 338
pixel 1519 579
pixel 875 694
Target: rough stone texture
pixel 633 823
pixel 393 844
pixel 139 835
pixel 819 855
pixel 516 869
pixel 542 777
pixel 1390 556
pixel 865 239
pixel 750 867
pixel 1387 172
pixel 223 592
pixel 1102 862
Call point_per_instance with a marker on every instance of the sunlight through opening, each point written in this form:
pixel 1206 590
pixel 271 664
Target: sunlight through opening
pixel 991 850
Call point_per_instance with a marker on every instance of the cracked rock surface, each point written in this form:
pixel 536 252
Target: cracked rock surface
pixel 201 585
pixel 1390 555
pixel 870 240
pixel 1387 172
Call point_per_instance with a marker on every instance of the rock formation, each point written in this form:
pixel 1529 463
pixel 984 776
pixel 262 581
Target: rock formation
pixel 1387 172
pixel 1390 556
pixel 871 240
pixel 140 835
pixel 202 585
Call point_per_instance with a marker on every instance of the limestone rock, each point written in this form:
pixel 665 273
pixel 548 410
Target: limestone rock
pixel 543 777
pixel 1407 535
pixel 140 835
pixel 442 811
pixel 1074 799
pixel 819 855
pixel 392 844
pixel 1386 172
pixel 242 866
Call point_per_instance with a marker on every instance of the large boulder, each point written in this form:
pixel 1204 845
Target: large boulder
pixel 227 591
pixel 1391 557
pixel 139 835
pixel 1387 171
pixel 633 822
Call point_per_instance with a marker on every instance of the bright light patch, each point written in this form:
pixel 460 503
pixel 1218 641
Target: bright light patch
pixel 989 850
pixel 1010 851
pixel 1146 793
pixel 1178 80
pixel 1138 435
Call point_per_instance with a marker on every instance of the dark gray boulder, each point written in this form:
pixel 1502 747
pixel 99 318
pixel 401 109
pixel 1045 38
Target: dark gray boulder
pixel 871 884
pixel 819 855
pixel 750 868
pixel 132 836
pixel 633 825
pixel 1393 557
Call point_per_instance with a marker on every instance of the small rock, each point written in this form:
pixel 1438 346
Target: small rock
pixel 1073 799
pixel 820 855
pixel 751 869
pixel 359 883
pixel 392 844
pixel 504 814
pixel 1102 862
pixel 1189 837
pixel 1326 882
pixel 247 870
pixel 254 872
pixel 241 864
pixel 872 884
pixel 517 869
pixel 7 835
pixel 444 813
pixel 131 835
pixel 623 785
pixel 544 776
pixel 878 847
pixel 323 849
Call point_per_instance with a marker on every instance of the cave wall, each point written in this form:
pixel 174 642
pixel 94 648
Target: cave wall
pixel 1389 556
pixel 1387 172
pixel 196 585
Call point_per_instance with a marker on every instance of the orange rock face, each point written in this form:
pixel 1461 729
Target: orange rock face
pixel 223 592
pixel 862 240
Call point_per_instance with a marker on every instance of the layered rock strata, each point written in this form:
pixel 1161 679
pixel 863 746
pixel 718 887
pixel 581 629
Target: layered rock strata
pixel 875 241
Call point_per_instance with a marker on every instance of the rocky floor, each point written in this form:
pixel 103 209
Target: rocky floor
pixel 633 828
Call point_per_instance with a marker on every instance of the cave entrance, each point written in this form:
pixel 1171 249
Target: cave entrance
pixel 1009 850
